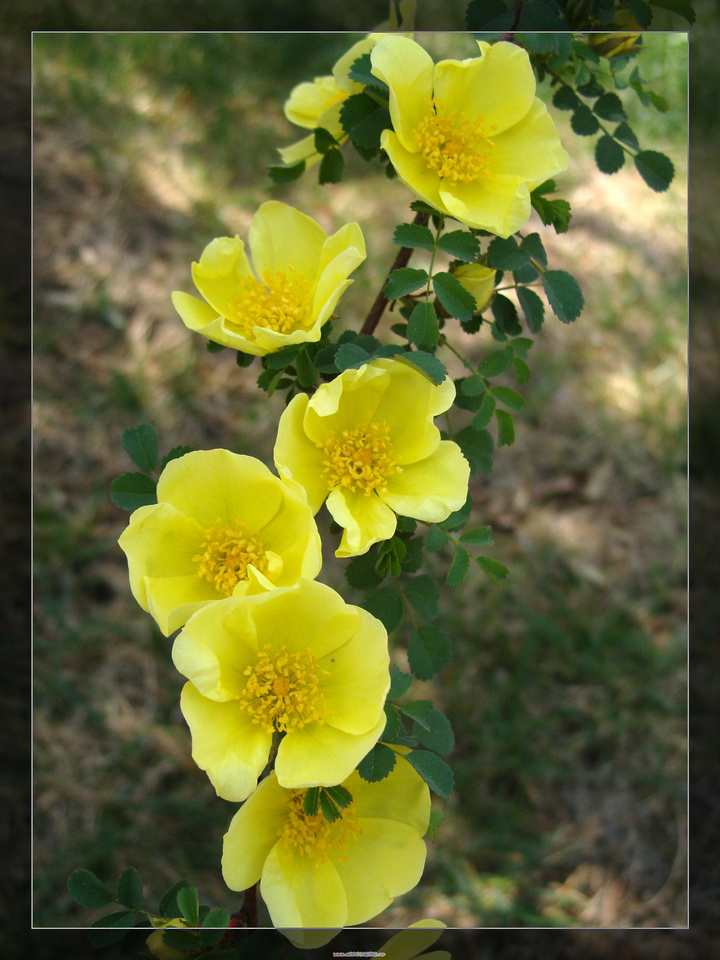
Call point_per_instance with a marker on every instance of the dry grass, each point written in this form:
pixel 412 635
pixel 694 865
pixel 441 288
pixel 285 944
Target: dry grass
pixel 567 692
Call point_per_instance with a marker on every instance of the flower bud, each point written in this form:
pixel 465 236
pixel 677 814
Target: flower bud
pixel 477 280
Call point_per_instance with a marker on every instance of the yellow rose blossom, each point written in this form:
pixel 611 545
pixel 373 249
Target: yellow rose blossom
pixel 478 280
pixel 366 441
pixel 314 873
pixel 318 103
pixel 156 943
pixel 469 137
pixel 297 661
pixel 224 525
pixel 410 943
pixel 298 274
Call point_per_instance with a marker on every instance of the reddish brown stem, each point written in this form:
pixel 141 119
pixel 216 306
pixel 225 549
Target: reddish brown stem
pixel 381 301
pixel 250 907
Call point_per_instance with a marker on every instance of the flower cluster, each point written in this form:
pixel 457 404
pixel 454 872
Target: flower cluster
pixel 287 682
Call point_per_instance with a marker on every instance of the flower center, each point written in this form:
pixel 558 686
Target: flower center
pixel 280 303
pixel 283 690
pixel 314 836
pixel 454 147
pixel 226 553
pixel 360 459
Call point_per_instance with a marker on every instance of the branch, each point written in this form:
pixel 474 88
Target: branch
pixel 381 301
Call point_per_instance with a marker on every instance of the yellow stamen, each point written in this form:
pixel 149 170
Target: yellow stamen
pixel 280 303
pixel 360 459
pixel 314 836
pixel 226 553
pixel 282 690
pixel 454 147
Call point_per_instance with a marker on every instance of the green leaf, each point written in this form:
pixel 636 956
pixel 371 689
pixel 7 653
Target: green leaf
pixel 477 447
pixel 88 890
pixel 429 651
pixel 434 771
pixel 363 119
pixel 414 236
pixel 243 359
pixel 117 924
pixel 473 386
pixel 420 711
pixel 609 155
pixel 168 902
pixel 187 899
pixel 282 358
pixel 423 592
pixel 504 254
pixel 460 244
pixel 453 296
pixel 426 363
pixel 439 737
pixel 532 307
pixel 484 415
pixel 565 98
pixel 458 518
pixel 141 445
pixel 175 454
pixel 217 919
pixel 361 70
pixel 213 347
pixel 311 801
pixel 506 428
pixel 340 796
pixel 419 206
pixel 490 15
pixel 641 11
pixel 180 939
pixel 495 363
pixel 130 889
pixel 478 536
pixel 533 245
pixel 329 807
pixel 386 605
pixel 660 103
pixel 423 325
pixel 400 683
pixel 547 186
pixel 324 140
pixel 521 371
pixel 132 490
pixel 269 380
pixel 564 294
pixel 436 818
pixel 350 355
pixel 435 538
pixel 540 18
pixel 331 167
pixel 392 726
pixel 609 107
pixel 404 281
pixel 584 122
pixel 280 173
pixel 511 398
pixel 656 169
pixel 306 372
pixel 360 573
pixel 377 764
pixel 681 7
pixel 506 316
pixel 493 568
pixel 520 346
pixel 458 568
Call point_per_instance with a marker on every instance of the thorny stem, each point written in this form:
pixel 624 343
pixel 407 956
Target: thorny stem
pixel 381 301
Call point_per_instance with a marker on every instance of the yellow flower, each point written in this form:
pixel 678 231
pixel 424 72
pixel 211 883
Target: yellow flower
pixel 297 661
pixel 469 137
pixel 299 275
pixel 318 103
pixel 367 442
pixel 156 943
pixel 223 526
pixel 314 873
pixel 409 943
pixel 477 280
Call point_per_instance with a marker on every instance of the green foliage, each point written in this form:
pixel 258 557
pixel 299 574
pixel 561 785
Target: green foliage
pixel 422 326
pixel 286 173
pixel 459 567
pixel 386 605
pixel 132 490
pixel 88 890
pixel 423 592
pixel 434 771
pixel 655 168
pixel 532 307
pixel 564 294
pixel 130 889
pixel 404 281
pixel 361 71
pixel 429 651
pixel 400 683
pixel 415 236
pixel 458 301
pixel 377 764
pixel 506 255
pixel 175 454
pixel 460 244
pixel 478 536
pixel 141 445
pixel 477 447
pixel 506 428
pixel 168 902
pixel 187 898
pixel 364 119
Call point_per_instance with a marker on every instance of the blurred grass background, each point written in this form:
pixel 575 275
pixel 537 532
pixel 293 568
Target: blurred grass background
pixel 567 692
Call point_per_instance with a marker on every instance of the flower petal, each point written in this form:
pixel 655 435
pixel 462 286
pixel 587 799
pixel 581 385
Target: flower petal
pixel 217 644
pixel 531 148
pixel 194 313
pixel 212 485
pixel 497 88
pixel 408 70
pixel 384 861
pixel 302 891
pixel 340 255
pixel 403 796
pixel 357 679
pixel 309 101
pixel 316 755
pixel 171 601
pixel 366 520
pixel 346 401
pixel 281 237
pixel 252 834
pixel 341 70
pixel 500 205
pixel 431 489
pixel 223 263
pixel 226 744
pixel 412 169
pixel 296 456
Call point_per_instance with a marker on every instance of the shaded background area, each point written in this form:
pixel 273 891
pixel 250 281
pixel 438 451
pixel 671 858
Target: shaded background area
pixel 567 689
pixel 704 518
